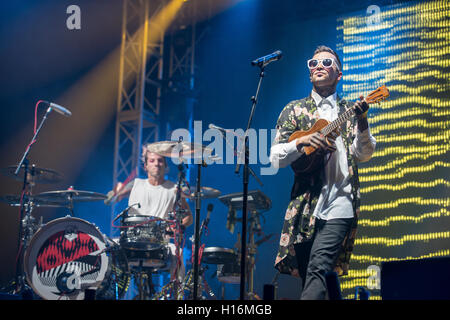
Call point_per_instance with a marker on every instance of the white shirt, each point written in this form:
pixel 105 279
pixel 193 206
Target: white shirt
pixel 335 200
pixel 155 201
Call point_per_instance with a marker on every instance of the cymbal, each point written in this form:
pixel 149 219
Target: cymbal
pixel 175 149
pixel 35 174
pixel 205 193
pixel 72 195
pixel 14 201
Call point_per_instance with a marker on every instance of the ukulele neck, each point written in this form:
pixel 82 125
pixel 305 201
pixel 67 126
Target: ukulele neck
pixel 332 126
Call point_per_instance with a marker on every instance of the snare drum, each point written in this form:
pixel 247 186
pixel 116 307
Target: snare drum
pixel 66 257
pixel 141 232
pixel 157 260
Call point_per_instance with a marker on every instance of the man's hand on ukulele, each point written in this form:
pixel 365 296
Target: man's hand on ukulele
pixel 319 142
pixel 361 108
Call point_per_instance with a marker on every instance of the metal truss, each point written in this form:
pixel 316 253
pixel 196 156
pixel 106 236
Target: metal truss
pixel 140 86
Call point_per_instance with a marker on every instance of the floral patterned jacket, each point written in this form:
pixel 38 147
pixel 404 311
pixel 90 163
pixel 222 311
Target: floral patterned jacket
pixel 299 222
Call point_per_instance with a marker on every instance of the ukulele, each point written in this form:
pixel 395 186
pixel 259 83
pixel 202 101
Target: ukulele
pixel 326 128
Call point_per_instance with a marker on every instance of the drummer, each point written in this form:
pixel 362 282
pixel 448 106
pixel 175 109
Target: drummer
pixel 157 197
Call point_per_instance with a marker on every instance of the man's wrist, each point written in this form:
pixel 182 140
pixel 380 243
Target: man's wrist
pixel 363 124
pixel 362 115
pixel 299 145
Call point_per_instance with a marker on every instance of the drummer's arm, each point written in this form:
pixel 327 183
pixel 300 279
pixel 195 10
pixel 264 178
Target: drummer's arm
pixel 119 192
pixel 187 220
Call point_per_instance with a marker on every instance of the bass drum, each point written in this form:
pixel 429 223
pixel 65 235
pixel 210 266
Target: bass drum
pixel 66 257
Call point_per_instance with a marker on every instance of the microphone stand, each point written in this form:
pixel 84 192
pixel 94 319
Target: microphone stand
pixel 179 219
pixel 25 163
pixel 254 100
pixel 197 230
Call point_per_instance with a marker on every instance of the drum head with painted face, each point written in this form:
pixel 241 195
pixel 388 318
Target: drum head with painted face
pixel 66 257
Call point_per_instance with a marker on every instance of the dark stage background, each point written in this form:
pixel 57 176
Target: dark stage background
pixel 41 59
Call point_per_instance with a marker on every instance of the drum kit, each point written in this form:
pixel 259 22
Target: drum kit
pixel 68 257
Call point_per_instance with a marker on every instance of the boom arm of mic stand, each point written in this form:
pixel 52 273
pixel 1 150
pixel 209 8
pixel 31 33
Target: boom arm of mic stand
pixel 251 172
pixel 239 165
pixel 32 142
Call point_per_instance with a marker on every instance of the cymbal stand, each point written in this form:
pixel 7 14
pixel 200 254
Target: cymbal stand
pixel 26 207
pixel 189 283
pixel 252 250
pixel 142 276
pixel 179 213
pixel 70 200
pixel 197 229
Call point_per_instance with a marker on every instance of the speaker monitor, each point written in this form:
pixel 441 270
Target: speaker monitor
pixel 422 279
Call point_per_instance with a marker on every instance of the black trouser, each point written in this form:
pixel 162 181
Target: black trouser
pixel 318 256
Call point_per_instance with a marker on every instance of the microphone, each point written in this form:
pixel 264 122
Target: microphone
pixel 222 130
pixel 264 61
pixel 59 109
pixel 126 211
pixel 208 214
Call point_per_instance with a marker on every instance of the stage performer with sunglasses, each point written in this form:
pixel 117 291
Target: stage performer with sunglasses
pixel 320 221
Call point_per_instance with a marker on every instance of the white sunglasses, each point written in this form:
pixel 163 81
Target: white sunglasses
pixel 326 63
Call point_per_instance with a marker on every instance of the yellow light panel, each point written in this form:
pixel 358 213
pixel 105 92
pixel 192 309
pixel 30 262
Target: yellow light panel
pixel 405 187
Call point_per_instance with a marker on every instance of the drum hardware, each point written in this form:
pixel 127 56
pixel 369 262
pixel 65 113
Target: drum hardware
pixel 218 255
pixel 229 272
pixel 31 201
pixel 205 193
pixel 192 285
pixel 187 287
pixel 36 175
pixel 141 232
pixel 257 201
pixel 143 242
pixel 177 216
pixel 195 151
pixel 197 230
pixel 117 277
pixel 69 196
pixel 27 202
pixel 144 282
pixel 180 149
